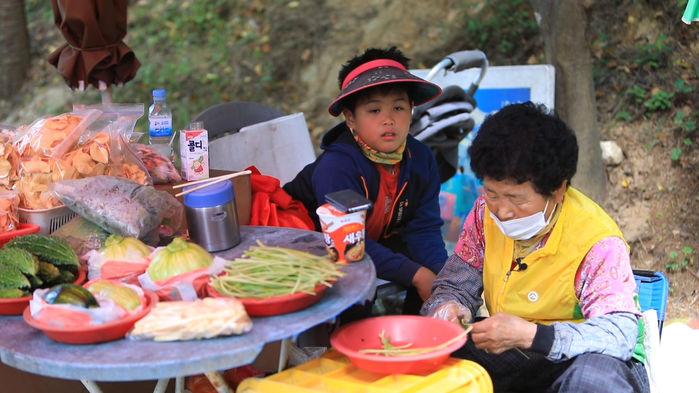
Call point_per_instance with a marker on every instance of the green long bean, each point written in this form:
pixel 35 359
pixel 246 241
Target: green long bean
pixel 266 271
pixel 389 349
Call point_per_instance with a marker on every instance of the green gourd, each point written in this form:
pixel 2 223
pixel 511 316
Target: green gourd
pixel 48 248
pixel 11 277
pixel 21 259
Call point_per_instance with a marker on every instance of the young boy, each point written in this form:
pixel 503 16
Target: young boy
pixel 372 153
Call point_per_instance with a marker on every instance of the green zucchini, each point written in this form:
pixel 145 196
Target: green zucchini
pixel 70 294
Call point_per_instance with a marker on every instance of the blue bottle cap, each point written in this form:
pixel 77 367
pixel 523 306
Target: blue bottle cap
pixel 213 195
pixel 159 93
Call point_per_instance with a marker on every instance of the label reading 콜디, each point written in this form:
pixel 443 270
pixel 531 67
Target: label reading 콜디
pixel 194 154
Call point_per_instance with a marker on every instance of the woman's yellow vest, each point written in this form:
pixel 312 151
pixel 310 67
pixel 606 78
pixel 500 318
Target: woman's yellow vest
pixel 544 291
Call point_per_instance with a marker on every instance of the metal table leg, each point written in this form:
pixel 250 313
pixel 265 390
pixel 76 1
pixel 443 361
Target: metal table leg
pixel 91 386
pixel 179 385
pixel 160 387
pixel 219 382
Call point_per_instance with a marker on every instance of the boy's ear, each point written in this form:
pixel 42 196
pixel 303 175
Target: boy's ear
pixel 349 117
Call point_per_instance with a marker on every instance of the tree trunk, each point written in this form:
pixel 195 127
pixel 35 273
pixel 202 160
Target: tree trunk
pixel 14 47
pixel 564 26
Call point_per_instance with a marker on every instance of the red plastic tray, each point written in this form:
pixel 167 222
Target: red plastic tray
pixel 16 305
pixel 108 331
pixel 277 304
pixel 24 228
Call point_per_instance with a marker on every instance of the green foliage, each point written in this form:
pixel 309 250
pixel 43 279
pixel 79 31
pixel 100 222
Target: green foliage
pixel 675 154
pixel 38 11
pixel 681 86
pixel 202 52
pixel 688 125
pixel 680 260
pixel 652 54
pixel 623 116
pixel 659 100
pixel 501 25
pixel 636 94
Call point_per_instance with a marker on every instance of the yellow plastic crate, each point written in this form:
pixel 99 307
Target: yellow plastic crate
pixel 334 373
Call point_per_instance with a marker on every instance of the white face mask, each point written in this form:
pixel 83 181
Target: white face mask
pixel 525 227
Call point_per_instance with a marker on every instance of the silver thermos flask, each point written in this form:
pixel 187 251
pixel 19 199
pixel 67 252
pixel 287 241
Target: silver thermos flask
pixel 212 219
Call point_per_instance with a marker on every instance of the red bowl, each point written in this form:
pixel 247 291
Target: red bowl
pixel 24 228
pixel 108 331
pixel 400 329
pixel 15 305
pixel 277 304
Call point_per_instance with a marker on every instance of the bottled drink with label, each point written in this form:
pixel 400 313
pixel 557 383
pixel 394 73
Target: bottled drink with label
pixel 160 124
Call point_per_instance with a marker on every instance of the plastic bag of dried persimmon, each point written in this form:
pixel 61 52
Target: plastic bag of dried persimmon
pixel 53 136
pixel 102 148
pixel 9 217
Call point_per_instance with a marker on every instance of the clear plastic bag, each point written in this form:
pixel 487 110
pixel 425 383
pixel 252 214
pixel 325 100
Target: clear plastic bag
pixel 53 136
pixel 9 217
pixel 159 167
pixel 82 235
pixel 187 286
pixel 70 315
pixel 122 117
pixel 122 206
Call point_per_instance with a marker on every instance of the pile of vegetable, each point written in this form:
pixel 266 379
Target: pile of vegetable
pixel 266 271
pixel 35 261
pixel 180 256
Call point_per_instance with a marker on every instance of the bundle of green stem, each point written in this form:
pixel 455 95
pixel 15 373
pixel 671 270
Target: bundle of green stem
pixel 266 271
pixel 388 349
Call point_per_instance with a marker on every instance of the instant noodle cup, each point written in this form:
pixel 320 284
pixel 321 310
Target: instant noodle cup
pixel 343 233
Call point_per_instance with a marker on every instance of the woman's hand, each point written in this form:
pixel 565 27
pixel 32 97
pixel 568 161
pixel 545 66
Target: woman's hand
pixel 452 311
pixel 422 281
pixel 503 331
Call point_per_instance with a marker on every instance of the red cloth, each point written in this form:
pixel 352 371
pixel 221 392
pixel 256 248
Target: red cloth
pixel 272 206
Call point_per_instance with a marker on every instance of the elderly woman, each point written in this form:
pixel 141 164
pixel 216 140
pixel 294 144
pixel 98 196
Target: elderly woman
pixel 552 266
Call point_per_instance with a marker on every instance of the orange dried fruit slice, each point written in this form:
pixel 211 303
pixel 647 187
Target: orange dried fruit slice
pixel 99 153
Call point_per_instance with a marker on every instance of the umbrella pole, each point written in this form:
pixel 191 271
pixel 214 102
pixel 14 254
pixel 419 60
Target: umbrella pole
pixel 106 92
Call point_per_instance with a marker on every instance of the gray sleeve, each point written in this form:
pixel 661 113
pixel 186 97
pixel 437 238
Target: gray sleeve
pixel 613 334
pixel 457 281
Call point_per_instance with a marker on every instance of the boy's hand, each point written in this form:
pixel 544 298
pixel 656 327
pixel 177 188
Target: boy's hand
pixel 422 281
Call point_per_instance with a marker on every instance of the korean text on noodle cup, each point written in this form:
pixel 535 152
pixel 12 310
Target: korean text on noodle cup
pixel 343 233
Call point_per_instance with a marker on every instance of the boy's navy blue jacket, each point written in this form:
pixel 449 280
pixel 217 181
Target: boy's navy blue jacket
pixel 413 236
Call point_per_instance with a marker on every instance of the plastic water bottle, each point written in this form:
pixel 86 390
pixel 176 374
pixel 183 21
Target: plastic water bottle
pixel 160 124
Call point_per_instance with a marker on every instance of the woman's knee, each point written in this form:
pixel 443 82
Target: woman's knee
pixel 589 372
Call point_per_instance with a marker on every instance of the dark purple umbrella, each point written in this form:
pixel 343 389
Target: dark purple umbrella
pixel 94 53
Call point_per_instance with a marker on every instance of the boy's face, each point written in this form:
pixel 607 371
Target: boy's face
pixel 381 118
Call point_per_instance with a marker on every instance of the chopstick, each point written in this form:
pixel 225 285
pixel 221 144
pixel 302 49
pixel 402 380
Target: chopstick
pixel 207 182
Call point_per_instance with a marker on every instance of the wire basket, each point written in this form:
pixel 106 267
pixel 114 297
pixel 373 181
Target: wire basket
pixel 47 219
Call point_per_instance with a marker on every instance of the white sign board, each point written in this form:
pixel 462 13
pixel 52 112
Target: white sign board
pixel 279 147
pixel 501 85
